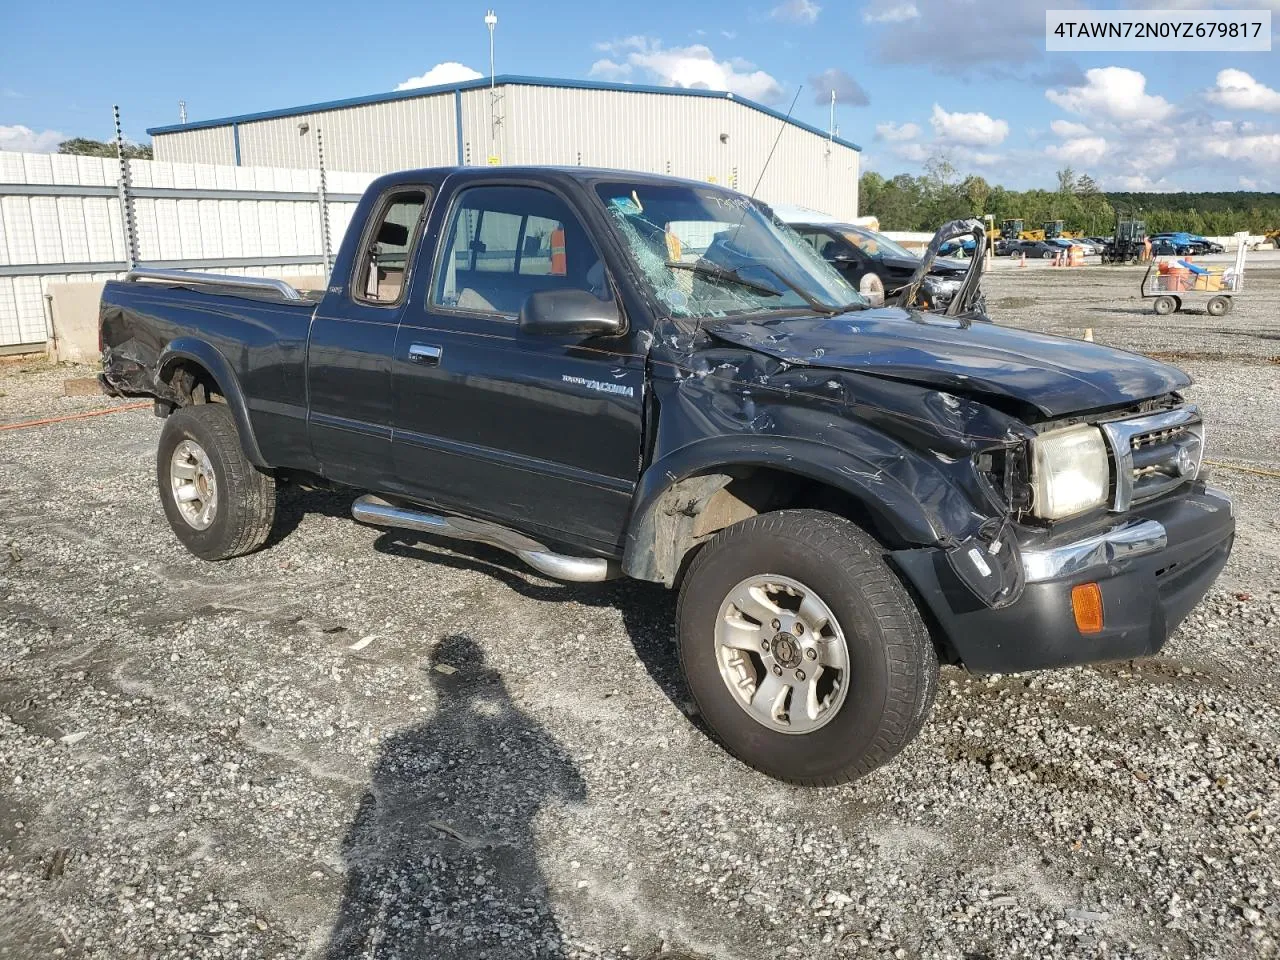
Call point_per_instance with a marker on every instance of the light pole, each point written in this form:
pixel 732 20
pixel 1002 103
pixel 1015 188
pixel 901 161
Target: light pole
pixel 491 21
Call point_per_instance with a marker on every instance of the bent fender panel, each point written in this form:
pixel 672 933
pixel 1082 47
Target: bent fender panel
pixel 670 489
pixel 207 356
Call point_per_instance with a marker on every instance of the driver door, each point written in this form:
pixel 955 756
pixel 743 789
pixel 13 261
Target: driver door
pixel 540 432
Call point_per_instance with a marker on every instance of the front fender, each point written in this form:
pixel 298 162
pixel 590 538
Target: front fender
pixel 206 355
pixel 909 499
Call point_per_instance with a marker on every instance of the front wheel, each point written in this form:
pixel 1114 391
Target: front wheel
pixel 218 503
pixel 804 652
pixel 1164 306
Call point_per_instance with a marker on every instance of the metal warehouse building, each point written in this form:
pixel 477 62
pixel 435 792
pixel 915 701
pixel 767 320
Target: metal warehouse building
pixel 701 134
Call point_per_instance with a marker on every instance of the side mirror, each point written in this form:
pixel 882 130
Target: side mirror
pixel 569 312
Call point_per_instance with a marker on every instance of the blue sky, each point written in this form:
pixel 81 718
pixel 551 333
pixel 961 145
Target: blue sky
pixel 966 79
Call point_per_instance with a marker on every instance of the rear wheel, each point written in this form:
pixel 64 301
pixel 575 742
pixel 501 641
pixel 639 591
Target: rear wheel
pixel 1048 255
pixel 806 655
pixel 218 503
pixel 1217 306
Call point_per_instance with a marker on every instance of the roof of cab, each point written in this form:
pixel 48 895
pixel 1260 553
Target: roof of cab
pixel 535 172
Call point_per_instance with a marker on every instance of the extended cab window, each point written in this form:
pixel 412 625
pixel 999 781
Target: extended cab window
pixel 385 260
pixel 505 243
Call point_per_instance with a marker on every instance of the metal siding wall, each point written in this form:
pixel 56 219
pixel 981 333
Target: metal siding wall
pixel 676 135
pixel 376 137
pixel 603 128
pixel 206 145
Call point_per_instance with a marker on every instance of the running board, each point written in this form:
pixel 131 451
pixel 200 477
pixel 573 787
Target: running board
pixel 379 513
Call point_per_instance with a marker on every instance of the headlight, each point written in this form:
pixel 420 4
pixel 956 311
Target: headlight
pixel 1069 472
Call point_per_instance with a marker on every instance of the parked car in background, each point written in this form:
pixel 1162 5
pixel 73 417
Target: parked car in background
pixel 1171 245
pixel 957 248
pixel 876 265
pixel 1034 249
pixel 608 373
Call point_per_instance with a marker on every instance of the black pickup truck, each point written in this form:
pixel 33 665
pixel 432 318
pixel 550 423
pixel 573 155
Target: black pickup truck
pixel 614 373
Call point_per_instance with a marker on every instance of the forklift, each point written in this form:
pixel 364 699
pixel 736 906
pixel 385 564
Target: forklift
pixel 1127 244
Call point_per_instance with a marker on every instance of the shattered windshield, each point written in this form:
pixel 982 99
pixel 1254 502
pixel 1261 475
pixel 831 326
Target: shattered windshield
pixel 708 253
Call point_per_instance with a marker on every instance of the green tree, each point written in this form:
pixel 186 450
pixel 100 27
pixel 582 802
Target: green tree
pixel 98 148
pixel 1086 186
pixel 1066 180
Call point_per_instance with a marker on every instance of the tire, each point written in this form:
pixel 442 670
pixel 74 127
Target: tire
pixel 1048 255
pixel 1218 306
pixel 891 669
pixel 1164 306
pixel 203 439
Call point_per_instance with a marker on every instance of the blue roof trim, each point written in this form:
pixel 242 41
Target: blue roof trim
pixel 505 79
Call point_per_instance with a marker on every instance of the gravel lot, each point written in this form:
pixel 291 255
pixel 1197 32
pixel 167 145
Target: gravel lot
pixel 355 743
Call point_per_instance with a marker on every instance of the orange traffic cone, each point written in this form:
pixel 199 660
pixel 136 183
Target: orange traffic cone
pixel 1023 261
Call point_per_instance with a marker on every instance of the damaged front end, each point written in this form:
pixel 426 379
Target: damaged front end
pixel 921 467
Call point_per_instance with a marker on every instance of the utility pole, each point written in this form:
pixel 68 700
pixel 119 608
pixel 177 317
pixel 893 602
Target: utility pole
pixel 491 21
pixel 832 138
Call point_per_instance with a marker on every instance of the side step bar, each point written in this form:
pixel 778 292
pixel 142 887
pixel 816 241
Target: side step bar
pixel 379 513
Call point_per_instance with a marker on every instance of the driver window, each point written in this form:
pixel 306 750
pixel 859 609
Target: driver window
pixel 388 252
pixel 505 243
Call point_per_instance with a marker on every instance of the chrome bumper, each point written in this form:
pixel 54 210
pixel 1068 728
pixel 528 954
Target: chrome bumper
pixel 1122 542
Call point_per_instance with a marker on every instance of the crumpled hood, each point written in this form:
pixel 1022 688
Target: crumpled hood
pixel 1056 375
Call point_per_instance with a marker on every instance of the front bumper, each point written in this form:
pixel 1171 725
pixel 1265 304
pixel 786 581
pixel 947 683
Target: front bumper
pixel 1152 569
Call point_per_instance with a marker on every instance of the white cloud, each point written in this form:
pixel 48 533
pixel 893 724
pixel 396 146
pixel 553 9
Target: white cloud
pixel 25 140
pixel 848 91
pixel 1066 128
pixel 441 73
pixel 1138 182
pixel 1261 150
pixel 974 129
pixel 898 13
pixel 691 66
pixel 1238 90
pixel 897 132
pixel 1115 93
pixel 796 11
pixel 606 69
pixel 1248 183
pixel 911 152
pixel 1079 150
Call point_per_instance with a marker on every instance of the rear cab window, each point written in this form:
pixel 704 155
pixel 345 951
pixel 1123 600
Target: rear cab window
pixel 385 255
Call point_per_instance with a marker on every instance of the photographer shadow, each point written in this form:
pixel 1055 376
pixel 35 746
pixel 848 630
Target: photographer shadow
pixel 441 859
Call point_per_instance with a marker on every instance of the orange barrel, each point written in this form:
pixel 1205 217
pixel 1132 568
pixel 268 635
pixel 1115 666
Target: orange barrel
pixel 1179 278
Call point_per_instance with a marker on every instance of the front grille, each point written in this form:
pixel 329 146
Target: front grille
pixel 1154 454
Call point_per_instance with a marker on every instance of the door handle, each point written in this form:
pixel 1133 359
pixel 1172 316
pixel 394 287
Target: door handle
pixel 427 354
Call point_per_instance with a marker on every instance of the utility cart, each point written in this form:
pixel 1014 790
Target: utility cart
pixel 1173 284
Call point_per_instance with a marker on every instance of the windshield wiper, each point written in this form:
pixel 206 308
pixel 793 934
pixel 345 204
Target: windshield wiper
pixel 813 302
pixel 707 269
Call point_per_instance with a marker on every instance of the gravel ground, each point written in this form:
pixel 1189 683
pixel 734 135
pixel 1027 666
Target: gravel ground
pixel 357 743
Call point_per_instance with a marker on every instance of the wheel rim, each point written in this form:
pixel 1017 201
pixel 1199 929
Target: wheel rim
pixel 782 654
pixel 194 485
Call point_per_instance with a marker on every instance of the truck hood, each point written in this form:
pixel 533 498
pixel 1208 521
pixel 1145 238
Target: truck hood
pixel 1055 375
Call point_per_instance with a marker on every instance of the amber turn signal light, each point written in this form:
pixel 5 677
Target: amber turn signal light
pixel 1086 604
